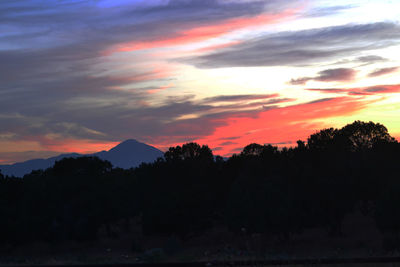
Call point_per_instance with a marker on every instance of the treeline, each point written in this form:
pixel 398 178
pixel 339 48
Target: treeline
pixel 278 192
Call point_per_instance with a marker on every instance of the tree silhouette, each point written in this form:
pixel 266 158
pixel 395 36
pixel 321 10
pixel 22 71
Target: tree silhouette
pixel 353 137
pixel 189 151
pixel 322 140
pixel 364 135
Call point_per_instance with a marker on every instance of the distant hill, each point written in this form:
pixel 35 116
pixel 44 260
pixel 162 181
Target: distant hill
pixel 127 154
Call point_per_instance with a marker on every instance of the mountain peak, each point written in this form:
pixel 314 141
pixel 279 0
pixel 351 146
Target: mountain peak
pixel 129 141
pixel 131 153
pixel 127 144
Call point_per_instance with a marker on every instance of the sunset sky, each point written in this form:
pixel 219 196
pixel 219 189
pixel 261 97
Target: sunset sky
pixel 84 75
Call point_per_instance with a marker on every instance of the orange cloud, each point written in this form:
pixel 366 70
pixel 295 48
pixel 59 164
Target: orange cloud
pixel 203 33
pixel 69 145
pixel 83 146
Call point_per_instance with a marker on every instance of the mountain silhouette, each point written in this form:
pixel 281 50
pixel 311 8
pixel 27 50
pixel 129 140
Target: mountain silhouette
pixel 128 154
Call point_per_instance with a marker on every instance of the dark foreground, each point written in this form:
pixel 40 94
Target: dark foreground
pixel 334 196
pixel 381 261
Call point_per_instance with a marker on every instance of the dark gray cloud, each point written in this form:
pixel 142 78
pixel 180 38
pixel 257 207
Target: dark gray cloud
pixel 237 149
pixel 302 47
pixel 231 138
pixel 321 100
pixel 227 143
pixel 329 75
pixel 370 59
pixel 62 23
pixel 361 61
pixel 383 71
pixel 341 74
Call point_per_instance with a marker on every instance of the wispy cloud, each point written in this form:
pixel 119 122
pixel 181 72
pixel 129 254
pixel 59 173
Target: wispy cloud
pixel 369 90
pixel 302 47
pixel 361 61
pixel 383 71
pixel 232 98
pixel 329 75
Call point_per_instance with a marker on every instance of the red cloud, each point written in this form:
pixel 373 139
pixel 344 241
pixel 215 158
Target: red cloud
pixel 283 124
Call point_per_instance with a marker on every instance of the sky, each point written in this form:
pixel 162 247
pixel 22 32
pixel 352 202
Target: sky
pixel 83 75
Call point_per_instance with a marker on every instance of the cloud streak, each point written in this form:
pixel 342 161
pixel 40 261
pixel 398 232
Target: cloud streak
pixel 383 71
pixel 329 75
pixel 302 47
pixel 363 91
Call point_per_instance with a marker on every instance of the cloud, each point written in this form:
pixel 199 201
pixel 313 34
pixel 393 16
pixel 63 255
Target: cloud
pixel 59 84
pixel 386 89
pixel 161 88
pixel 230 98
pixel 230 138
pixel 303 47
pixel 202 33
pixel 62 90
pixel 182 22
pixel 300 81
pixel 362 61
pixel 370 90
pixel 48 41
pixel 328 11
pixel 370 59
pixel 383 71
pixel 329 75
pixel 227 143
